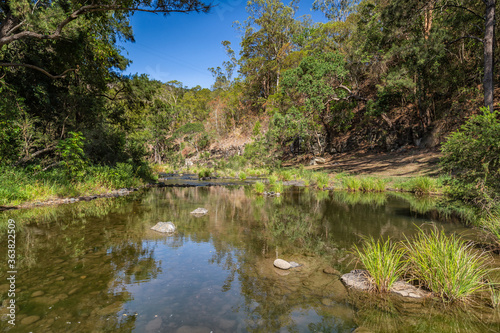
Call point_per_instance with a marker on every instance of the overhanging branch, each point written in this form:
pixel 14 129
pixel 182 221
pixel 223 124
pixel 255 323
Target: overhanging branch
pixel 41 70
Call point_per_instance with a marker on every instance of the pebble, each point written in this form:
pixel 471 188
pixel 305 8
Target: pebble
pixel 282 264
pixel 30 320
pixel 37 293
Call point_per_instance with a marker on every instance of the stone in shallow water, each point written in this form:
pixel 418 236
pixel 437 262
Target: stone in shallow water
pixel 357 279
pixel 407 290
pixel 282 264
pixel 166 227
pixel 199 211
pixel 37 293
pixel 331 270
pixel 30 320
pixel 360 279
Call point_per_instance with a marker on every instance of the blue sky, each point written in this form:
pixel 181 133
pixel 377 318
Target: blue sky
pixel 183 46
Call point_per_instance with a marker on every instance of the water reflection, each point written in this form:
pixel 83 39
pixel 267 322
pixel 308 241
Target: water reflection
pixel 97 266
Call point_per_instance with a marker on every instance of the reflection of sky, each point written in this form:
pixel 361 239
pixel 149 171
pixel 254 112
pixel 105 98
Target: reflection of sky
pixel 187 291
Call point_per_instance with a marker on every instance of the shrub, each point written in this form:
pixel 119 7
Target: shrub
pixel 242 175
pixel 383 260
pixel 473 155
pixel 448 266
pixel 285 175
pixel 204 172
pixel 272 179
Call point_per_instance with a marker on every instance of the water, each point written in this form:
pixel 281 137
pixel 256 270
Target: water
pixel 97 266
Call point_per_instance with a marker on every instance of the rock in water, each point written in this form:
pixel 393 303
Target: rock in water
pixel 293 264
pixel 357 279
pixel 199 211
pixel 282 264
pixel 166 227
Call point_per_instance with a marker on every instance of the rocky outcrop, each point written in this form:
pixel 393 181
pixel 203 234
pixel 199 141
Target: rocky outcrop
pixel 165 227
pixel 360 279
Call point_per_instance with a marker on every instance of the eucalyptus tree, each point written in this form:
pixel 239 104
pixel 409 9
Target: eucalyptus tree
pixel 268 40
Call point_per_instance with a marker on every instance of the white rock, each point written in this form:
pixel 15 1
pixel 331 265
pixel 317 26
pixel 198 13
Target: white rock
pixel 320 160
pixel 166 227
pixel 199 211
pixel 282 264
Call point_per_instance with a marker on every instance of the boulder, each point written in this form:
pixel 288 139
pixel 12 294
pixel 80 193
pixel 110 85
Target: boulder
pixel 282 264
pixel 165 227
pixel 357 279
pixel 199 211
pixel 360 279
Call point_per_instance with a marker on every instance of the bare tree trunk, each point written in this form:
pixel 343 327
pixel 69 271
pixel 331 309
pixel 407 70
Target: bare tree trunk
pixel 489 48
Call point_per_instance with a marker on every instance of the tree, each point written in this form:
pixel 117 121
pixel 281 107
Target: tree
pixel 50 21
pixel 267 41
pixel 317 87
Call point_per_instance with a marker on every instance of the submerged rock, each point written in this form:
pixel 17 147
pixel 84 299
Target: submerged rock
pixel 360 279
pixel 199 211
pixel 166 227
pixel 282 264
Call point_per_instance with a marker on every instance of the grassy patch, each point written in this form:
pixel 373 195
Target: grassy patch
pixel 242 175
pixel 277 187
pixel 351 183
pixel 259 187
pixel 419 185
pixel 372 184
pixel 446 265
pixel 383 260
pixel 322 180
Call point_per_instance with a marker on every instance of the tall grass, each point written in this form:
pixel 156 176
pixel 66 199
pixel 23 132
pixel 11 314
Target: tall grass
pixel 446 265
pixel 272 179
pixel 277 187
pixel 372 184
pixel 322 180
pixel 20 185
pixel 383 260
pixel 242 175
pixel 351 183
pixel 419 185
pixel 259 187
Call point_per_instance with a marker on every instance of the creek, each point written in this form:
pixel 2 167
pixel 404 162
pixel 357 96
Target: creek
pixel 97 267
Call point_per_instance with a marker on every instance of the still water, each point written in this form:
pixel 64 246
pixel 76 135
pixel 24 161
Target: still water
pixel 97 267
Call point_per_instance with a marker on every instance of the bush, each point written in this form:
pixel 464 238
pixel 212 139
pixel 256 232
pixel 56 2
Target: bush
pixel 472 154
pixel 371 184
pixel 383 260
pixel 242 175
pixel 322 180
pixel 277 187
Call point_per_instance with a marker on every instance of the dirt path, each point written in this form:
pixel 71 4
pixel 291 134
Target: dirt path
pixel 409 163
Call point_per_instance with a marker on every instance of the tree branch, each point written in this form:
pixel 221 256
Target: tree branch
pixel 464 37
pixel 27 158
pixel 96 8
pixel 41 70
pixel 464 8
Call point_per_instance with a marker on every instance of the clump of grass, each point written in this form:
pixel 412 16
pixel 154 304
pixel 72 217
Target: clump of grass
pixel 259 187
pixel 384 260
pixel 286 175
pixel 204 172
pixel 322 180
pixel 242 175
pixel 419 185
pixel 448 266
pixel 351 183
pixel 272 179
pixel 371 184
pixel 277 187
pixel 495 295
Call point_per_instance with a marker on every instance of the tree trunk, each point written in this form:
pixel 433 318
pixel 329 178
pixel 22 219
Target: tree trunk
pixel 489 47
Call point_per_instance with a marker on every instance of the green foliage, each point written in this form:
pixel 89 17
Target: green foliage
pixel 372 184
pixel 256 128
pixel 277 187
pixel 72 153
pixel 447 265
pixel 351 183
pixel 472 154
pixel 419 185
pixel 384 261
pixel 322 180
pixel 259 187
pixel 242 175
pixel 272 179
pixel 285 175
pixel 204 172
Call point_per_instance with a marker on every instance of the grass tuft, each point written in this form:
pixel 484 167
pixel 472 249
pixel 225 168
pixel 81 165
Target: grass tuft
pixel 351 183
pixel 259 187
pixel 383 260
pixel 446 265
